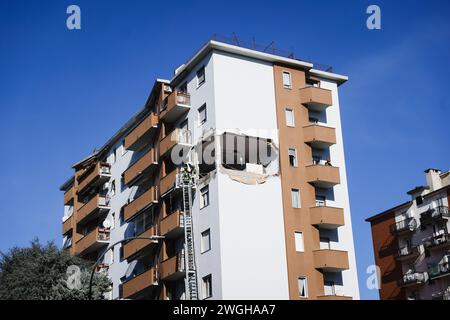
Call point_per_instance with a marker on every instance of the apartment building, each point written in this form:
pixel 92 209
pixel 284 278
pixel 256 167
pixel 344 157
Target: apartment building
pixel 270 214
pixel 412 243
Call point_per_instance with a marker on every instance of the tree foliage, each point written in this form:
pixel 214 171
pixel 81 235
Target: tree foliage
pixel 40 272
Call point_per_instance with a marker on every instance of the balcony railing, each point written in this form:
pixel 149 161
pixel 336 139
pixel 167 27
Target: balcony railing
pixel 316 98
pixel 174 106
pixel 140 282
pixel 440 213
pixel 94 240
pixel 172 224
pixel 69 195
pixel 142 133
pixel 437 241
pixel 327 217
pixel 319 136
pixel 404 226
pixel 410 279
pixel 142 202
pixel 331 260
pixel 93 176
pixel 439 270
pixel 67 224
pixel 173 268
pixel 98 204
pixel 134 247
pixel 407 252
pixel 168 182
pixel 179 137
pixel 145 164
pixel 322 176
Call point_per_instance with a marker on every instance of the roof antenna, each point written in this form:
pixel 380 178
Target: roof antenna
pixel 267 47
pixel 236 39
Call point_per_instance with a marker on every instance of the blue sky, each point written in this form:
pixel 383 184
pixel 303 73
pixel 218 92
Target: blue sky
pixel 63 92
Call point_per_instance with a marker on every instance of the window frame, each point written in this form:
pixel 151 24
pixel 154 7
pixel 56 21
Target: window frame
pixel 293 191
pixel 207 287
pixel 302 241
pixel 199 110
pixel 203 237
pixel 289 86
pixel 202 203
pixel 295 162
pixel 305 286
pixel 286 111
pixel 200 83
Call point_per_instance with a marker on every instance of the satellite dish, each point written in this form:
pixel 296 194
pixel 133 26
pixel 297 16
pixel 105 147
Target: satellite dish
pixel 107 224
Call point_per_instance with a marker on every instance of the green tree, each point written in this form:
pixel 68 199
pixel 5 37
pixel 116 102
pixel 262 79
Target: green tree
pixel 40 272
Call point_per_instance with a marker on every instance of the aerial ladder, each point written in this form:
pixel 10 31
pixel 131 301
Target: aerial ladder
pixel 188 182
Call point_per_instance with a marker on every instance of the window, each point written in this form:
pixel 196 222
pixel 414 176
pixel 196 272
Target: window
pixel 290 122
pixel 202 114
pixel 287 80
pixel 293 157
pixel 295 196
pixel 204 197
pixel 419 200
pixel 200 76
pixel 206 241
pixel 113 156
pixel 124 150
pixel 302 287
pixel 207 287
pixel 112 190
pixel 299 244
pixel 325 243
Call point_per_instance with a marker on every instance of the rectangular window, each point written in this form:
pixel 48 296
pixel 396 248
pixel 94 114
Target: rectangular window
pixel 201 76
pixel 204 197
pixel 302 287
pixel 299 244
pixel 290 121
pixel 113 157
pixel 292 157
pixel 287 80
pixel 207 286
pixel 202 114
pixel 295 196
pixel 124 150
pixel 206 241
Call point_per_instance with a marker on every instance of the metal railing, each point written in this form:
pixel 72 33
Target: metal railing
pixel 411 278
pixel 407 251
pixel 435 214
pixel 408 224
pixel 439 269
pixel 436 240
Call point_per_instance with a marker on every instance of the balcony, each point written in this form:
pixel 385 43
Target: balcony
pixel 407 253
pixel 93 176
pixel 178 137
pixel 322 176
pixel 134 247
pixel 173 268
pixel 93 208
pixel 439 270
pixel 140 284
pixel 67 225
pixel 330 260
pixel 435 215
pixel 404 226
pixel 96 239
pixel 69 195
pixel 174 106
pixel 334 297
pixel 413 279
pixel 146 164
pixel 319 136
pixel 168 182
pixel 172 226
pixel 142 133
pixel 315 98
pixel 140 203
pixel 439 241
pixel 327 217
